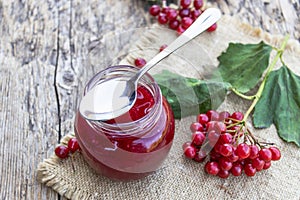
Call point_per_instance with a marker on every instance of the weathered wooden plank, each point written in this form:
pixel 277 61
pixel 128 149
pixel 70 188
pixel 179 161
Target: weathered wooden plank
pixel 28 104
pixel 43 68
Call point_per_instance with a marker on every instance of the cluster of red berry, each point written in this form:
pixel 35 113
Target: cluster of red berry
pixel 230 146
pixel 181 18
pixel 62 151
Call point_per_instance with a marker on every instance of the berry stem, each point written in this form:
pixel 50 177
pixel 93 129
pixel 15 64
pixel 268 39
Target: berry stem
pixel 269 69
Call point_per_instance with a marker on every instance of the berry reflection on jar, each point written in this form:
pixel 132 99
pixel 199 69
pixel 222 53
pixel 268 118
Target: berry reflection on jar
pixel 134 144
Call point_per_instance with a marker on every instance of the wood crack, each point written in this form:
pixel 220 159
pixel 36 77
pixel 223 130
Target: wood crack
pixel 55 82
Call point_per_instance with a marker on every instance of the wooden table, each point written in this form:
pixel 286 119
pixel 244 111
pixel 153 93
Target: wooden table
pixel 42 65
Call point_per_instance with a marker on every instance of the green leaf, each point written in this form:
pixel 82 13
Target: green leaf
pixel 280 104
pixel 189 96
pixel 242 65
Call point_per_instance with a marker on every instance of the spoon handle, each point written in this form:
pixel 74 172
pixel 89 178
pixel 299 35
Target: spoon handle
pixel 203 22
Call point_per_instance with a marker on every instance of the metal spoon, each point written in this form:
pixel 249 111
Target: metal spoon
pixel 116 96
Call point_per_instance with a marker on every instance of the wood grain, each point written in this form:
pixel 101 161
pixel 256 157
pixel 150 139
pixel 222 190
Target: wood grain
pixel 43 67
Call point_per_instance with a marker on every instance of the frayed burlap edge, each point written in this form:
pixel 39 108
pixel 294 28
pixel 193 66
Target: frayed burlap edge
pixel 60 185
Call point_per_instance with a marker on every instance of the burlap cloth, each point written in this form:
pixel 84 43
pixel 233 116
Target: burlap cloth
pixel 178 177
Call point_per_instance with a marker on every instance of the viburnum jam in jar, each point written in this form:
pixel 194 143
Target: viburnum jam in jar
pixel 134 144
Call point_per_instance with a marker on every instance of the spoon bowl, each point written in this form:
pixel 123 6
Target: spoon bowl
pixel 115 96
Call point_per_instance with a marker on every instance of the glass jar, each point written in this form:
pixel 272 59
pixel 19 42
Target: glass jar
pixel 127 149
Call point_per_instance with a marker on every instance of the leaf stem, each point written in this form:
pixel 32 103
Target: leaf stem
pixel 242 95
pixel 262 86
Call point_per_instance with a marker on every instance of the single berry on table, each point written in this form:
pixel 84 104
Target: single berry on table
pixel 140 62
pixel 212 28
pixel 163 47
pixel 61 151
pixel 73 145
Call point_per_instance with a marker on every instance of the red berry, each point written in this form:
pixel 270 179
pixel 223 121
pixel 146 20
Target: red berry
pixel 223 174
pixel 196 126
pixel 186 22
pixel 185 3
pixel 198 4
pixel 184 12
pixel 73 145
pixel 212 168
pixel 243 151
pixel 253 151
pixel 200 156
pixel 190 152
pixel 258 164
pixel 174 24
pixel 249 170
pixel 162 18
pixel 225 138
pixel 233 157
pixel 198 138
pixel 202 119
pixel 172 14
pixel 223 116
pixel 220 127
pixel 212 28
pixel 213 137
pixel 265 154
pixel 61 151
pixel 237 116
pixel 165 10
pixel 236 169
pixel 195 14
pixel 154 10
pixel 163 47
pixel 276 155
pixel 226 150
pixel 140 62
pixel 225 164
pixel 214 156
pixel 212 115
pixel 267 165
pixel 180 30
pixel 185 145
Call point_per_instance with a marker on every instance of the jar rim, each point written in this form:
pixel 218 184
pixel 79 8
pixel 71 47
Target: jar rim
pixel 147 81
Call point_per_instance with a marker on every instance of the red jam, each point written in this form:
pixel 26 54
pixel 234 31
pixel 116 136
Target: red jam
pixel 130 146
